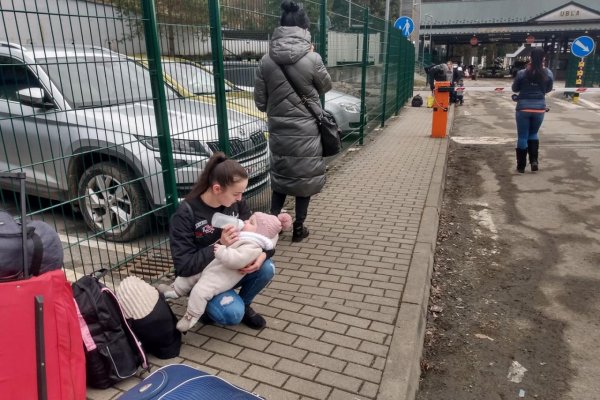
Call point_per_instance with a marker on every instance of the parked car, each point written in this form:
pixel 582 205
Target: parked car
pixel 344 107
pixel 516 67
pixel 80 122
pixel 191 80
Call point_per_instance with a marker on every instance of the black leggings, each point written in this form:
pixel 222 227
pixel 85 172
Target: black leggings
pixel 277 200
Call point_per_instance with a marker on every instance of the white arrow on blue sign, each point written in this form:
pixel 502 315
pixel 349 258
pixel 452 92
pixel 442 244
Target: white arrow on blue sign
pixel 582 46
pixel 406 25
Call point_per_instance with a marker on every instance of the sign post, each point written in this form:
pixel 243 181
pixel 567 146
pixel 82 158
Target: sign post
pixel 405 24
pixel 581 47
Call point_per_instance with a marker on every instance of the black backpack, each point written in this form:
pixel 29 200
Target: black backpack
pixel 112 351
pixel 417 101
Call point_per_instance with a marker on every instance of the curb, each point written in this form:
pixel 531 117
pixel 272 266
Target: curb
pixel 400 380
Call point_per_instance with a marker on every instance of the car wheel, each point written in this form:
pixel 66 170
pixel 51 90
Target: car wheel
pixel 110 205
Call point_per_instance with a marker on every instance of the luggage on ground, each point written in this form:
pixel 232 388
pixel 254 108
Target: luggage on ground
pixel 178 381
pixel 41 349
pixel 150 317
pixel 417 101
pixel 112 350
pixel 44 248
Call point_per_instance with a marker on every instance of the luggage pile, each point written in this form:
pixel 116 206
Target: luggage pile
pixel 64 337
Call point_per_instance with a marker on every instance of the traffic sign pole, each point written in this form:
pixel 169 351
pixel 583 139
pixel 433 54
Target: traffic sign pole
pixel 579 80
pixel 581 47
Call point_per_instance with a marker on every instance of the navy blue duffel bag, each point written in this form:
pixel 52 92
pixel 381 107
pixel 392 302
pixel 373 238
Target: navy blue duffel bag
pixel 178 382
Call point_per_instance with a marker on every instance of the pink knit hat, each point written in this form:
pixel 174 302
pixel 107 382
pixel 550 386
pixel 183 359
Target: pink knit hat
pixel 270 225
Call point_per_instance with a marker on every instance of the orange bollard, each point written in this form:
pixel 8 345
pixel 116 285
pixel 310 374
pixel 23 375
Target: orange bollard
pixel 440 110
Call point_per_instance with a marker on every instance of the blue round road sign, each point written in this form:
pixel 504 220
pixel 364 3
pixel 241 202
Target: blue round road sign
pixel 406 25
pixel 582 46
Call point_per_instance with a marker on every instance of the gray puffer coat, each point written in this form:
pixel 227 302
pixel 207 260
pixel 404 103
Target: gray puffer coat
pixel 297 166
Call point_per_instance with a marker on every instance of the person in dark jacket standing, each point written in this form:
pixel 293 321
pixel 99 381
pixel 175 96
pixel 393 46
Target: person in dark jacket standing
pixel 532 84
pixel 297 166
pixel 192 238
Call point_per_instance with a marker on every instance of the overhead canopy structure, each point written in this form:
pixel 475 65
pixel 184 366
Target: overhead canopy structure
pixel 509 20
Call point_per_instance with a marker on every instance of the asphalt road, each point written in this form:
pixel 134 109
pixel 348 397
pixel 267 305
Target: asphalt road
pixel 545 233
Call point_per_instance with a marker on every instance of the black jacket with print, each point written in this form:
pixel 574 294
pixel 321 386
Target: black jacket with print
pixel 192 236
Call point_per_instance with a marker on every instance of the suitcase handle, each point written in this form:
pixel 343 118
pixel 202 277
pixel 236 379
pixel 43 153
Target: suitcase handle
pixel 21 176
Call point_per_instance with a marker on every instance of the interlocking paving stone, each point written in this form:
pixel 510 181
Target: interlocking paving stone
pixel 308 388
pixel 332 306
pixel 340 381
pixel 350 355
pixel 298 369
pixel 315 346
pixel 266 375
pixel 258 358
pixel 282 350
pixel 250 342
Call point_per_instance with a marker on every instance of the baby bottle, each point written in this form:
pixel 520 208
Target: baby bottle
pixel 220 220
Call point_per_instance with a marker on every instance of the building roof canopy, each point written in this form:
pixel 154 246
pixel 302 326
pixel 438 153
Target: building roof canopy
pixel 509 20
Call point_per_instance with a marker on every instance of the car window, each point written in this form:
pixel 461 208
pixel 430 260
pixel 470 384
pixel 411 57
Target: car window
pixel 241 74
pixel 100 81
pixel 193 78
pixel 14 76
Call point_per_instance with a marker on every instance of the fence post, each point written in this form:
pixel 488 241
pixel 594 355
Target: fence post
pixel 216 43
pixel 363 83
pixel 405 73
pixel 159 100
pixel 323 39
pixel 386 73
pixel 411 77
pixel 399 75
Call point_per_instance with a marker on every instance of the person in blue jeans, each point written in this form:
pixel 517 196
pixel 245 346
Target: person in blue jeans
pixel 531 84
pixel 192 239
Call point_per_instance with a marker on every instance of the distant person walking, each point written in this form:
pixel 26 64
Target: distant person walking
pixel 297 165
pixel 531 84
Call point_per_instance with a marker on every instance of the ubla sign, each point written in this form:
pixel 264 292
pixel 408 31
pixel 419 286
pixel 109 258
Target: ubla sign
pixel 570 12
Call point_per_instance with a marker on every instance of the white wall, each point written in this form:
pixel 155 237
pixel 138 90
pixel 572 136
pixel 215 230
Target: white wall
pixel 49 22
pixel 59 22
pixel 347 48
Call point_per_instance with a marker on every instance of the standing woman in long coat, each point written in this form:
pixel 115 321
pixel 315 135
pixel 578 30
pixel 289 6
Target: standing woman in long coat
pixel 297 166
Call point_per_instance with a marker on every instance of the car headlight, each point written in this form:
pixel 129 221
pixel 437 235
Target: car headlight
pixel 179 146
pixel 351 108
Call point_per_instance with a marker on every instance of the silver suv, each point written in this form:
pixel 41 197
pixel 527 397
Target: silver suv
pixel 80 122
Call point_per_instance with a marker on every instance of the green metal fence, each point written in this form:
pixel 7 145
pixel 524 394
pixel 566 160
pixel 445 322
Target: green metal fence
pixel 112 108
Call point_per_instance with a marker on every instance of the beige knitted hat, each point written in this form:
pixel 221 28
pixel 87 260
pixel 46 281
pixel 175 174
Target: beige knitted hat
pixel 137 297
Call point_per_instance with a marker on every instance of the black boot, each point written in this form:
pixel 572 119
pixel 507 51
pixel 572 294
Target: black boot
pixel 521 160
pixel 532 148
pixel 300 232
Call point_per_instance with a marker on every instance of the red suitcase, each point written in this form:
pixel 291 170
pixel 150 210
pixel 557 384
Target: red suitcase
pixel 41 350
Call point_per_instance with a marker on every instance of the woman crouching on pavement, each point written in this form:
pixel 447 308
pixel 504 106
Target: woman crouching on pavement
pixel 192 238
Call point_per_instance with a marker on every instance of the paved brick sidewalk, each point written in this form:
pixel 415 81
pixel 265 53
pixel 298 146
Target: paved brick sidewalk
pixel 345 310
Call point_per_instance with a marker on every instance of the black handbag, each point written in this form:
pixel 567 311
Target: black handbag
pixel 328 128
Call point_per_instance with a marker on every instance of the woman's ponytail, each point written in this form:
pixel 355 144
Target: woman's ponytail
pixel 218 169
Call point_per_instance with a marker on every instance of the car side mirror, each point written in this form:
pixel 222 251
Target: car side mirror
pixel 34 97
